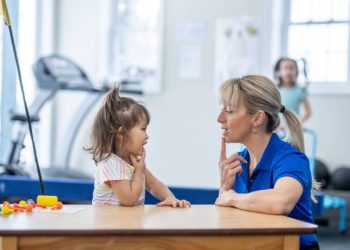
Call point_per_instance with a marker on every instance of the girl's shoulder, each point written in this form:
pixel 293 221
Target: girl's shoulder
pixel 115 160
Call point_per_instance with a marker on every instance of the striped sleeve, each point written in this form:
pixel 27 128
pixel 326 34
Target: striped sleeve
pixel 113 169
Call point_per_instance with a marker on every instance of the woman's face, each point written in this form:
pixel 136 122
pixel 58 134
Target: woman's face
pixel 236 123
pixel 288 72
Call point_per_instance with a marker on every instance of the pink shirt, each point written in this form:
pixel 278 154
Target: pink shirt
pixel 112 168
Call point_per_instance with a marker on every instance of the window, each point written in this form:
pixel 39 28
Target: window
pixel 318 31
pixel 23 18
pixel 1 56
pixel 7 81
pixel 137 43
pixel 26 47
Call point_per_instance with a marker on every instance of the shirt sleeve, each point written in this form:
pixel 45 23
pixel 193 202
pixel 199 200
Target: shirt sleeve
pixel 113 170
pixel 296 166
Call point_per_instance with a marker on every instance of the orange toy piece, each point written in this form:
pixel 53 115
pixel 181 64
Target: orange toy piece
pixel 58 206
pixel 29 208
pixel 17 208
pixel 36 205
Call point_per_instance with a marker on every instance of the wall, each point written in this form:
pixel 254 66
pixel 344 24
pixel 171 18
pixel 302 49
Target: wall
pixel 184 135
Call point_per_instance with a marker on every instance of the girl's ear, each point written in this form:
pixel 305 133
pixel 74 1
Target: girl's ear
pixel 120 134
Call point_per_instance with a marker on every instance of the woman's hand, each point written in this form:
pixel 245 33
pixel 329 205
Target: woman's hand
pixel 225 198
pixel 172 201
pixel 139 163
pixel 229 168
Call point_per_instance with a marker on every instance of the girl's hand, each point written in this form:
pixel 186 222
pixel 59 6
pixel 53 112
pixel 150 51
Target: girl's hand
pixel 139 164
pixel 225 198
pixel 172 201
pixel 229 168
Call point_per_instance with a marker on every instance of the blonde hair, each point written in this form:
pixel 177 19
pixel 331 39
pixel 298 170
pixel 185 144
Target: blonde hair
pixel 260 93
pixel 116 116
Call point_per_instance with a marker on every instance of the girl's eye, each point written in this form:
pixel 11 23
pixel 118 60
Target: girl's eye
pixel 229 111
pixel 144 129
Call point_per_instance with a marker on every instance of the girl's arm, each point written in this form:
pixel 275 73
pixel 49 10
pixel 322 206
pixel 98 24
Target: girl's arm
pixel 306 112
pixel 280 200
pixel 159 190
pixel 128 191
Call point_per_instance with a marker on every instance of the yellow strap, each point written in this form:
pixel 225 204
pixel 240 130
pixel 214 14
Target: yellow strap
pixel 5 13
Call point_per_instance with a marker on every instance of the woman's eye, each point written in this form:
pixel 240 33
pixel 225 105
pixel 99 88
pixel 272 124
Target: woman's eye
pixel 229 111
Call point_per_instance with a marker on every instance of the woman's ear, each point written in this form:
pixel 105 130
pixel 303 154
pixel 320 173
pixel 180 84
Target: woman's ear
pixel 259 118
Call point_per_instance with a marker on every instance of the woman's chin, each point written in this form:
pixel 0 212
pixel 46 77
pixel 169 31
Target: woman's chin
pixel 230 139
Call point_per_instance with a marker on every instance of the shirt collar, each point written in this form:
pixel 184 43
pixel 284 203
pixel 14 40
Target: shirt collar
pixel 268 156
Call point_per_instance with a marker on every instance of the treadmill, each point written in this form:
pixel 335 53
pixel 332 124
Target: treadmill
pixel 53 73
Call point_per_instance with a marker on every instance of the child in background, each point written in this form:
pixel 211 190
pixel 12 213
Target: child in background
pixel 117 147
pixel 286 72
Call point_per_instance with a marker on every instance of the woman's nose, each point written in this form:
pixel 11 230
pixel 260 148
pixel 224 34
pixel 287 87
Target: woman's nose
pixel 221 117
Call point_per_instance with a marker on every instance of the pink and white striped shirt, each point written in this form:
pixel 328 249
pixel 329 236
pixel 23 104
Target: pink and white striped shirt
pixel 112 168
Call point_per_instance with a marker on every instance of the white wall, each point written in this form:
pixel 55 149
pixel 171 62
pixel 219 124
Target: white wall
pixel 184 136
pixel 331 120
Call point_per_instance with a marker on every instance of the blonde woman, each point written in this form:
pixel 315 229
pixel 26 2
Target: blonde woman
pixel 270 176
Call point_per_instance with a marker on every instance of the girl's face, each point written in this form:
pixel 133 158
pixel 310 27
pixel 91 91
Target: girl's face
pixel 137 138
pixel 288 72
pixel 236 123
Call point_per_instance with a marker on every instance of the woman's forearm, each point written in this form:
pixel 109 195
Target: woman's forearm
pixel 264 201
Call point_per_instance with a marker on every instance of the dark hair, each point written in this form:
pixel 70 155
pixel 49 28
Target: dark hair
pixel 277 69
pixel 116 116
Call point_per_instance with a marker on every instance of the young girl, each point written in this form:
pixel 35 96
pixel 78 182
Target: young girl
pixel 286 72
pixel 117 147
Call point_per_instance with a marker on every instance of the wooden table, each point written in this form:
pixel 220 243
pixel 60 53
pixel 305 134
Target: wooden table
pixel 150 227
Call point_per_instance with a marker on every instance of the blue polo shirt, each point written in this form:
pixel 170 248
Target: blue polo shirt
pixel 280 159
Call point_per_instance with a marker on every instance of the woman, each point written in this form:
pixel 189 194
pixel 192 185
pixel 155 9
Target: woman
pixel 270 176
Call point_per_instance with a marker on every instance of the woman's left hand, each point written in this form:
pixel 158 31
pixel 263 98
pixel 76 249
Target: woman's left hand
pixel 229 167
pixel 225 198
pixel 172 201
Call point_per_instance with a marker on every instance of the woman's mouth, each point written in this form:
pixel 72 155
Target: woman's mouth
pixel 225 131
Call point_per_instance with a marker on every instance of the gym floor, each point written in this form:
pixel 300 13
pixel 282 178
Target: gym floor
pixel 328 237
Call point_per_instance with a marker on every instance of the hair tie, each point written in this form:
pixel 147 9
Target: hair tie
pixel 282 109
